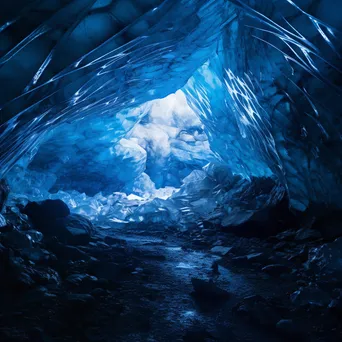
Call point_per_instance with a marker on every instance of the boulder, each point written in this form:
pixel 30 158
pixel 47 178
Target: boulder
pixel 53 218
pixel 41 213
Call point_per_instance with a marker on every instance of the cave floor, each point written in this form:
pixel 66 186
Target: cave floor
pixel 139 286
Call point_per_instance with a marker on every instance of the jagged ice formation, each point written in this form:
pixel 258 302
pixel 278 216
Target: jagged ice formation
pixel 81 82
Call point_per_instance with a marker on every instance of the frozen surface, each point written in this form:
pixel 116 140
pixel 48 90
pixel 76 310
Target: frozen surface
pixel 262 78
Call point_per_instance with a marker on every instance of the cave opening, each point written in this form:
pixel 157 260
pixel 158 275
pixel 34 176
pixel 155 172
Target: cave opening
pixel 170 170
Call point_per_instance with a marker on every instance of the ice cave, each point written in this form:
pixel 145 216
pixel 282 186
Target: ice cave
pixel 169 170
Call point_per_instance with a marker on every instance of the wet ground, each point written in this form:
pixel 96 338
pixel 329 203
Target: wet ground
pixel 162 287
pixel 140 286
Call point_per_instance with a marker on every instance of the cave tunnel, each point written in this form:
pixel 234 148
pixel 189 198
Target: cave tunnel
pixel 169 170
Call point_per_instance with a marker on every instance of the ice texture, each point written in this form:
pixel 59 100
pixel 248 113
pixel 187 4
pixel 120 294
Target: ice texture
pixel 262 78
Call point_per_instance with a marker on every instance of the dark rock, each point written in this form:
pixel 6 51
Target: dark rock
pixel 45 276
pixel 329 224
pixel 221 250
pixel 4 191
pixel 5 226
pixel 84 280
pixel 46 211
pixel 268 221
pixel 34 235
pixel 305 234
pixel 99 292
pixel 249 259
pixel 208 232
pixel 276 269
pixel 37 335
pixel 110 240
pixel 208 290
pixel 73 229
pixel 53 218
pixel 335 306
pixel 280 246
pixel 80 301
pixel 12 335
pixel 198 335
pixel 327 258
pixel 66 252
pixel 287 235
pixel 107 270
pixel 23 281
pixel 310 296
pixel 301 256
pixel 94 335
pixel 37 255
pixel 258 310
pixel 287 327
pixel 16 239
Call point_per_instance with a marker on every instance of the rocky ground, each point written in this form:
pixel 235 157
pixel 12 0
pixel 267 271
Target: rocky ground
pixel 62 279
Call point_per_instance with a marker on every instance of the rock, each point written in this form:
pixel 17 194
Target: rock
pixel 287 235
pixel 23 281
pixel 289 328
pixel 249 259
pixel 4 191
pixel 329 225
pixel 258 310
pixel 280 246
pixel 84 280
pixel 310 296
pixel 80 301
pixel 16 239
pixel 267 221
pixel 305 234
pixel 45 276
pixel 37 255
pixel 99 292
pixel 301 256
pixel 46 211
pixel 53 218
pixel 221 250
pixel 208 232
pixel 73 229
pixel 5 226
pixel 335 306
pixel 276 269
pixel 327 258
pixel 107 270
pixel 34 235
pixel 208 290
pixel 66 252
pixel 110 240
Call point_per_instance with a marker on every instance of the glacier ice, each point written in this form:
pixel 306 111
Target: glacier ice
pixel 262 79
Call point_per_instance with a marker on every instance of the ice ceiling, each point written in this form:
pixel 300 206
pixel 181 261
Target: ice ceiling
pixel 173 110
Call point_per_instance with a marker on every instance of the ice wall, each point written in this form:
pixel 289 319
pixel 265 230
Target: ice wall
pixel 265 80
pixel 105 154
pixel 271 95
pixel 61 61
